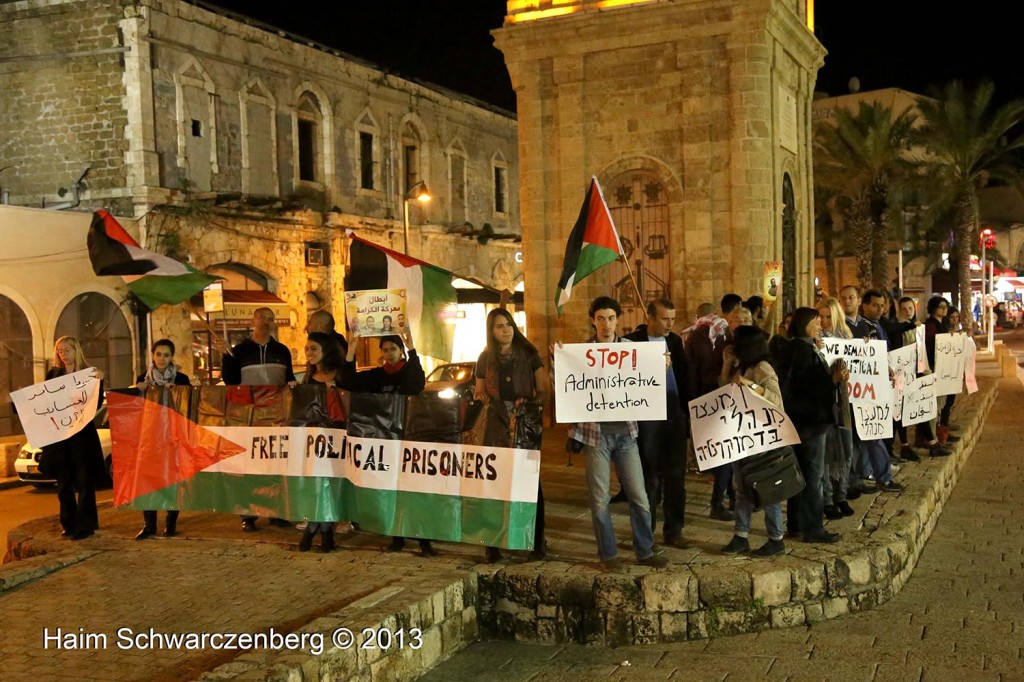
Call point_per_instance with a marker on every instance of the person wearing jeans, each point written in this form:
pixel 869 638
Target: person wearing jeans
pixel 605 443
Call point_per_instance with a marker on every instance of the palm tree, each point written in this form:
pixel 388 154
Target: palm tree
pixel 859 160
pixel 969 145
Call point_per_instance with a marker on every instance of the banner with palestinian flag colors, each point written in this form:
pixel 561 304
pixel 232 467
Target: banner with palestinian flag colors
pixel 430 296
pixel 157 280
pixel 593 244
pixel 394 464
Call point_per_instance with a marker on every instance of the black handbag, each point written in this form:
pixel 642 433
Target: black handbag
pixel 771 477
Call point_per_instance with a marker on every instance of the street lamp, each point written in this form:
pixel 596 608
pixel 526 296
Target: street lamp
pixel 987 240
pixel 417 192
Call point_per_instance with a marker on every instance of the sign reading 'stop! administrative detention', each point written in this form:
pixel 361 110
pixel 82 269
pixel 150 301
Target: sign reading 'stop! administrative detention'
pixel 609 382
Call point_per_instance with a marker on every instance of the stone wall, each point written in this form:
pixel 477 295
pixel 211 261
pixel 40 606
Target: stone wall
pixel 61 109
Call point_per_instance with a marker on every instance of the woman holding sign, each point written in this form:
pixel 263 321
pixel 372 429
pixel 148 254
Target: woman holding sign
pixel 163 372
pixel 510 373
pixel 79 459
pixel 747 363
pixel 399 374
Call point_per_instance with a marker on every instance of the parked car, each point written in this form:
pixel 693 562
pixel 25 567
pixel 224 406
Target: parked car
pixel 452 381
pixel 27 463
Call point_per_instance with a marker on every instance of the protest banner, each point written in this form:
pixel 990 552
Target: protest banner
pixel 919 404
pixel 733 423
pixel 970 367
pixel 903 363
pixel 868 363
pixel 950 362
pixel 376 312
pixel 922 349
pixel 873 421
pixel 392 463
pixel 58 408
pixel 610 382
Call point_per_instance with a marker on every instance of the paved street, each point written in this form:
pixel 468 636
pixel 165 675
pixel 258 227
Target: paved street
pixel 960 617
pixel 24 503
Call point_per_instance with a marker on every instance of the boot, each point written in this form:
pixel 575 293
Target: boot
pixel 327 540
pixel 427 549
pixel 942 433
pixel 307 540
pixel 493 555
pixel 171 525
pixel 145 533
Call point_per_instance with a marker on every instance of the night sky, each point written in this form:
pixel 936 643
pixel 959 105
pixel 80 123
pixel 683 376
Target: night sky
pixel 910 44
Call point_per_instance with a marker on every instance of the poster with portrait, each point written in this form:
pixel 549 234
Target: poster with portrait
pixel 376 312
pixel 772 282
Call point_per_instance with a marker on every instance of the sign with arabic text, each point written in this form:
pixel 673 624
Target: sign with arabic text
pixel 950 363
pixel 733 423
pixel 919 404
pixel 58 408
pixel 376 312
pixel 903 363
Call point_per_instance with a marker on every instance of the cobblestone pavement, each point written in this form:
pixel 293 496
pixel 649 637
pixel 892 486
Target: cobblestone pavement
pixel 960 617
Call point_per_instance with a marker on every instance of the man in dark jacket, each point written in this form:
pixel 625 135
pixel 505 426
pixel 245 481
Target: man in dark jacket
pixel 663 443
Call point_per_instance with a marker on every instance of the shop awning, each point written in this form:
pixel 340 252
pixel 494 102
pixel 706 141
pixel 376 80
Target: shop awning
pixel 240 304
pixel 1015 283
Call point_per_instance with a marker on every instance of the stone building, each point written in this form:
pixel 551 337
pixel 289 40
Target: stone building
pixel 695 116
pixel 248 151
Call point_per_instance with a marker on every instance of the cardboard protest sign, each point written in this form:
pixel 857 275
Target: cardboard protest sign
pixel 607 382
pixel 903 363
pixel 868 363
pixel 922 349
pixel 58 408
pixel 376 312
pixel 919 404
pixel 873 421
pixel 733 423
pixel 950 362
pixel 970 370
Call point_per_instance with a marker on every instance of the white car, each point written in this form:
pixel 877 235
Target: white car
pixel 27 463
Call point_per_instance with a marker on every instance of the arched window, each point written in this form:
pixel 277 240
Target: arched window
pixel 639 206
pixel 308 132
pixel 457 182
pixel 15 361
pixel 259 140
pixel 367 146
pixel 100 326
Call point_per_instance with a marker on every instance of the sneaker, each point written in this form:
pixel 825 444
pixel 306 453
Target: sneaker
pixel 655 561
pixel 939 450
pixel 737 545
pixel 770 548
pixel 613 565
pixel 845 508
pixel 678 541
pixel 720 514
pixel 833 512
pixel 890 487
pixel 907 453
pixel 823 537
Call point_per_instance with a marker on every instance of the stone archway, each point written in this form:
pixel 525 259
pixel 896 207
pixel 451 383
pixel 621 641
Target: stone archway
pixel 789 263
pixel 15 361
pixel 102 330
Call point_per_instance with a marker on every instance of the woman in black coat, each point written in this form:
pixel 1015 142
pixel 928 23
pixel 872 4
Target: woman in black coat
pixel 809 394
pixel 78 458
pixel 162 372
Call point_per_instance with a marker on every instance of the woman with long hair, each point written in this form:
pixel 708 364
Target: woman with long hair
pixel 747 363
pixel 162 372
pixel 323 358
pixel 78 458
pixel 809 395
pixel 400 373
pixel 839 441
pixel 509 373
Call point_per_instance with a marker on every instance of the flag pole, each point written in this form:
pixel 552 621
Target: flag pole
pixel 636 287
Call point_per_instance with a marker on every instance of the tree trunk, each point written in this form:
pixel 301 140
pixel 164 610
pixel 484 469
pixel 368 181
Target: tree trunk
pixel 966 233
pixel 861 231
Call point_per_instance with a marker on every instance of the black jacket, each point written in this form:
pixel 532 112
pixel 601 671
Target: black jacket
pixel 249 353
pixel 808 391
pixel 409 380
pixel 676 351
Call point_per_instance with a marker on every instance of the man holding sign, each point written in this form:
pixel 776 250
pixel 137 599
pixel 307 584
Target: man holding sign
pixel 614 441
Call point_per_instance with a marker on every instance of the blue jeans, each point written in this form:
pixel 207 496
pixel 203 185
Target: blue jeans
pixel 878 458
pixel 745 508
pixel 811 455
pixel 623 451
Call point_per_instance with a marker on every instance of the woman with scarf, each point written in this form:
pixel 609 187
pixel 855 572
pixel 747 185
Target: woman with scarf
pixel 323 355
pixel 162 372
pixel 399 374
pixel 78 459
pixel 509 373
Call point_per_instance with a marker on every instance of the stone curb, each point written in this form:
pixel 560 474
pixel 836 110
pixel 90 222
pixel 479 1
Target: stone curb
pixel 14 482
pixel 551 603
pixel 20 572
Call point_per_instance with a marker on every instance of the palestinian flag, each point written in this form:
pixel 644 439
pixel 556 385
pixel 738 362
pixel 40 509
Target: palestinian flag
pixel 392 463
pixel 593 244
pixel 430 296
pixel 157 280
